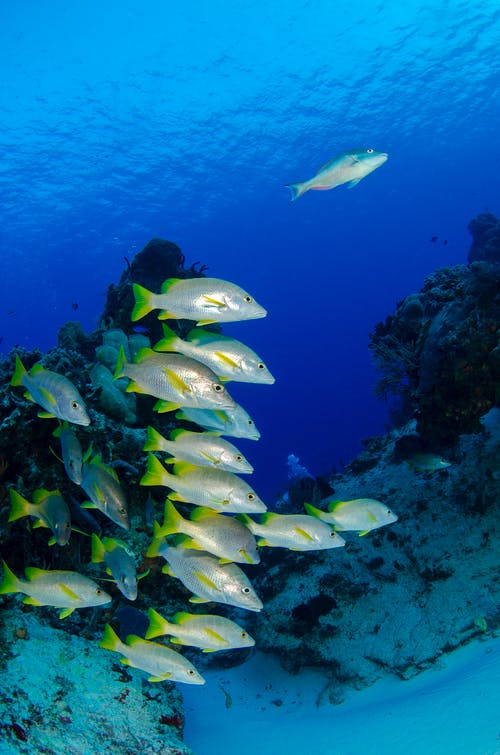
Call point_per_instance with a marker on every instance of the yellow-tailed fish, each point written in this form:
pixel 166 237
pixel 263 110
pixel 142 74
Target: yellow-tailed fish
pixel 297 532
pixel 347 168
pixel 428 462
pixel 162 663
pixel 235 422
pixel 176 380
pixel 201 449
pixel 206 530
pixel 213 488
pixel 228 358
pixel 53 392
pixel 62 589
pixel 119 562
pixel 204 300
pixel 102 486
pixel 205 631
pixel 359 515
pixel 71 452
pixel 49 509
pixel 206 577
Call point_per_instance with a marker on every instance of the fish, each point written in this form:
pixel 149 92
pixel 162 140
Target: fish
pixel 347 168
pixel 71 450
pixel 61 589
pixel 235 422
pixel 119 562
pixel 53 392
pixel 428 462
pixel 213 488
pixel 205 300
pixel 207 578
pixel 205 631
pixel 201 449
pixel 162 663
pixel 359 515
pixel 206 530
pixel 228 358
pixel 297 532
pixel 102 486
pixel 177 381
pixel 49 509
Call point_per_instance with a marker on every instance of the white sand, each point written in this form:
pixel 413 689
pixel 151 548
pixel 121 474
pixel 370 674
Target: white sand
pixel 451 710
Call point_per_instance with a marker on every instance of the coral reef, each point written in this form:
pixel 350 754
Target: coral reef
pixel 439 352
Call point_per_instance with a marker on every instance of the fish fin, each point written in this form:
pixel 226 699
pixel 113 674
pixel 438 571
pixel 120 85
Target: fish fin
pixel 10 583
pixel 162 406
pixel 176 382
pixel 110 640
pixel 88 505
pixel 155 474
pixel 65 612
pixel 206 580
pixel 183 541
pixel 215 635
pixel 206 322
pixel 154 440
pixel 334 505
pixel 223 560
pixel 263 542
pixel 363 533
pixel 51 541
pixel 162 678
pixel 178 641
pixel 245 519
pixel 88 453
pixel 144 574
pixel 297 189
pixel 29 397
pixel 172 520
pixel 302 532
pixel 168 283
pixel 166 315
pixel 49 398
pixel 39 523
pixel 134 387
pixel 54 452
pixel 209 457
pixel 268 517
pixel 212 300
pixel 19 506
pixel 98 549
pixel 153 549
pixel 19 373
pixel 37 369
pixel 202 512
pixel 121 363
pixel 166 569
pixel 42 494
pixel 143 302
pixel 177 497
pixel 69 593
pixel 181 617
pixel 62 426
pixel 182 467
pixel 157 625
pixel 29 601
pixel 170 340
pixel 32 572
pixel 179 432
pixel 225 359
pixel 247 556
pixel 46 415
pixel 134 639
pixel 312 510
pixel 197 599
pixel 354 183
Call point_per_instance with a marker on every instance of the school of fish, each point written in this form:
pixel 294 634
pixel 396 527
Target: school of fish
pixel 228 522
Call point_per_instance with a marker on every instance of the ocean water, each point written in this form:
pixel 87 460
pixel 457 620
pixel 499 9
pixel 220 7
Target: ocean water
pixel 123 121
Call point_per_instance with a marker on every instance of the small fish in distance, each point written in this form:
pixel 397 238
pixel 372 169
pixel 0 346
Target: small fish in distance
pixel 347 168
pixel 48 508
pixel 205 631
pixel 358 515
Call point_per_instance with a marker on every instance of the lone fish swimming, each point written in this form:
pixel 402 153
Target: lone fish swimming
pixel 347 168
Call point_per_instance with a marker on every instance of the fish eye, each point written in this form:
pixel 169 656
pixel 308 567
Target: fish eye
pixel 98 591
pixel 75 405
pixel 190 672
pixel 122 510
pixel 238 457
pixel 248 299
pixel 251 497
pixel 369 151
pixel 250 422
pixel 245 590
pixel 218 387
pixel 333 534
pixel 243 635
pixel 261 366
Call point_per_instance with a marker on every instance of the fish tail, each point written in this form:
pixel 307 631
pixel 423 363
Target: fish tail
pixel 120 364
pixel 153 550
pixel 172 521
pixel 10 583
pixel 157 625
pixel 156 474
pixel 98 550
pixel 297 189
pixel 110 640
pixel 154 440
pixel 19 373
pixel 170 340
pixel 19 506
pixel 313 511
pixel 143 302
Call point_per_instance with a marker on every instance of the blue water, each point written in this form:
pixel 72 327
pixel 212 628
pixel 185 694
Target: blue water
pixel 124 120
